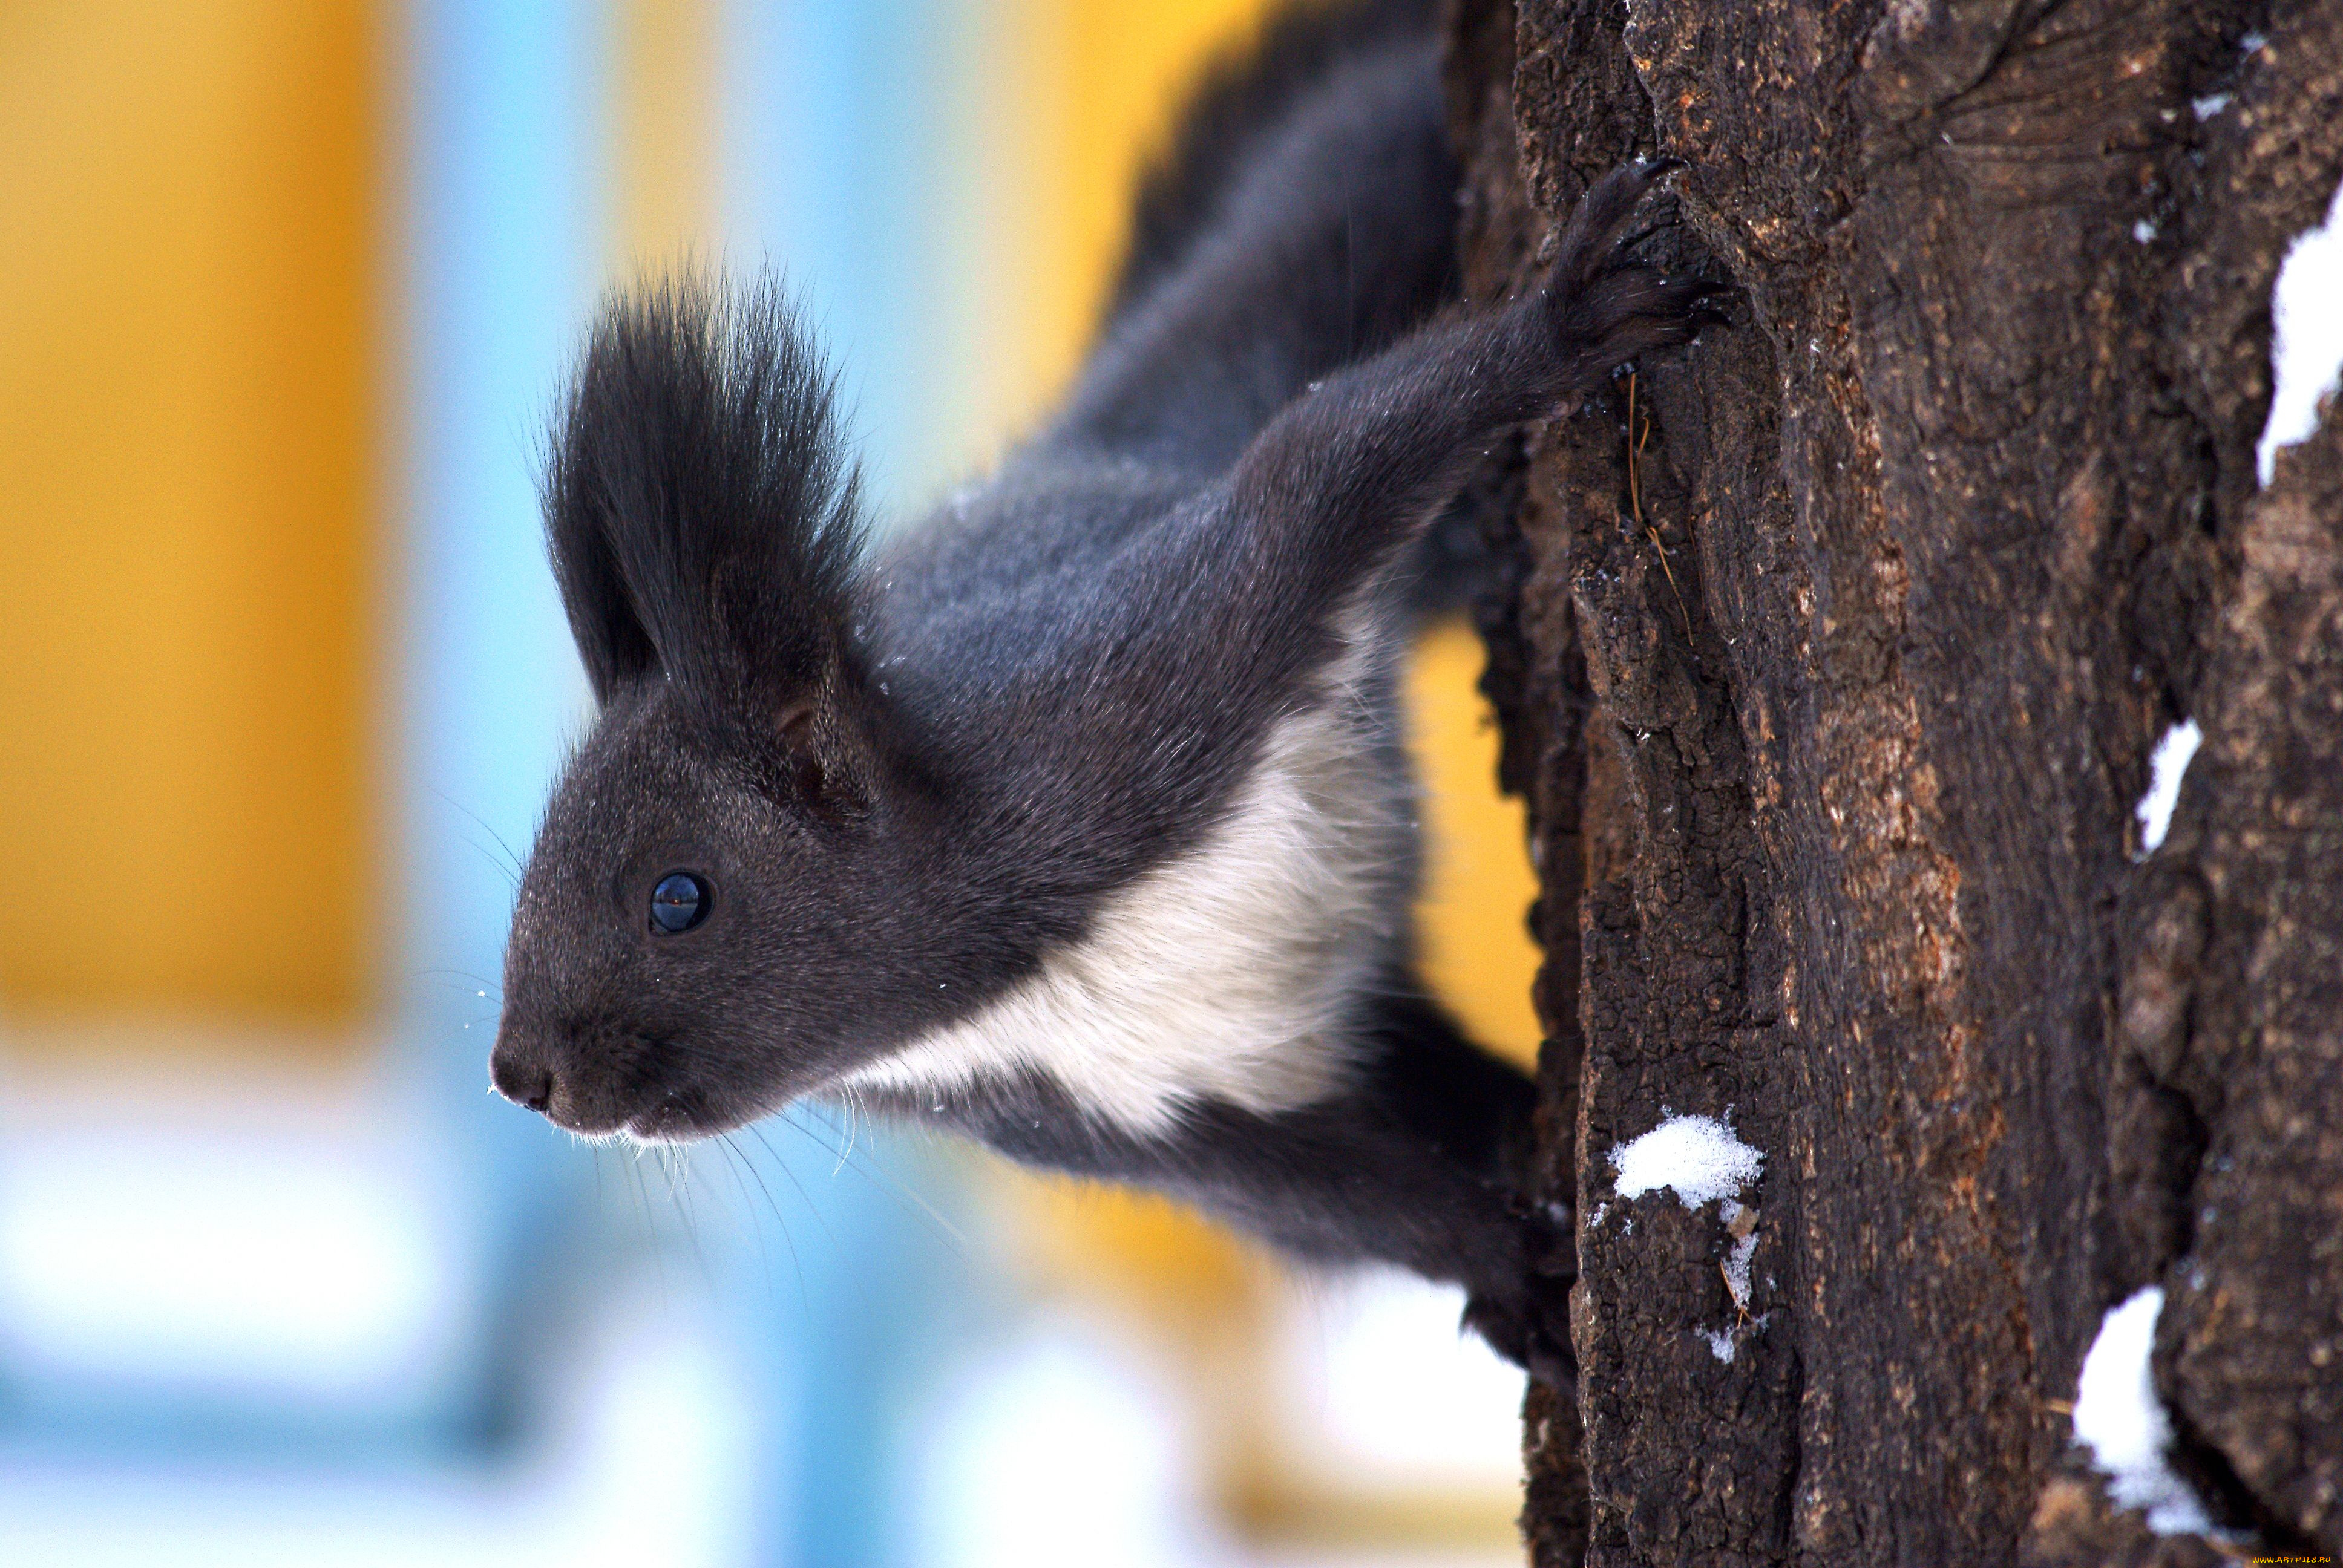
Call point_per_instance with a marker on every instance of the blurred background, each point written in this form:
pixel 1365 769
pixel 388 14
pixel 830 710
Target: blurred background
pixel 286 290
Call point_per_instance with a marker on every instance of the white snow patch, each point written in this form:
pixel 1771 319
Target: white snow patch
pixel 2119 1419
pixel 1744 1247
pixel 1720 1344
pixel 1698 1156
pixel 1736 1269
pixel 2165 766
pixel 2251 43
pixel 2144 232
pixel 2306 335
pixel 2211 104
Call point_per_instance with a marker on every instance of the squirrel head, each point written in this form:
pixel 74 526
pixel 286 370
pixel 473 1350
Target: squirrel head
pixel 714 916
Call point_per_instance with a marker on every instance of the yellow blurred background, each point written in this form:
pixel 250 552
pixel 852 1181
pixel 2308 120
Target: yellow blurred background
pixel 193 430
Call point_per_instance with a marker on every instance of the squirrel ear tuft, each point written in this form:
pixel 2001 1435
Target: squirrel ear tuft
pixel 701 506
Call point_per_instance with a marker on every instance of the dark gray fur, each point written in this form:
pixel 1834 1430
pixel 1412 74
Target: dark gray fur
pixel 909 779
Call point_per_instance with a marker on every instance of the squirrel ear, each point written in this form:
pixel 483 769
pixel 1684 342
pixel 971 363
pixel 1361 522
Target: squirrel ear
pixel 823 761
pixel 611 640
pixel 701 506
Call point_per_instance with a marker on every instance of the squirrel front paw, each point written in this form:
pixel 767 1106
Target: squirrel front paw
pixel 1604 308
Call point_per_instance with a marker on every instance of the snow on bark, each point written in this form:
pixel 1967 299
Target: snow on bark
pixel 2167 765
pixel 1697 1157
pixel 2119 1419
pixel 2305 337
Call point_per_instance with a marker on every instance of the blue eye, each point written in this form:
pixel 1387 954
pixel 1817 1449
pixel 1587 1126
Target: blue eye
pixel 678 903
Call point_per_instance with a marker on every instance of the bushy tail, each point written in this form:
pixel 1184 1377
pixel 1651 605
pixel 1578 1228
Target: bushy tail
pixel 1240 97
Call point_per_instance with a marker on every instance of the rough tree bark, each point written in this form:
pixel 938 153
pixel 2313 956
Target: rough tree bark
pixel 1832 681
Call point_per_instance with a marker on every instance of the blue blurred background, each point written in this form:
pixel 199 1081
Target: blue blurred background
pixel 285 291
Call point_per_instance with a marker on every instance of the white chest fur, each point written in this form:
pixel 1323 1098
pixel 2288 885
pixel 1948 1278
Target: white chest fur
pixel 1227 972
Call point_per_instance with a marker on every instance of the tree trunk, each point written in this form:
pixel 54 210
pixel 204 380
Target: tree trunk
pixel 1834 656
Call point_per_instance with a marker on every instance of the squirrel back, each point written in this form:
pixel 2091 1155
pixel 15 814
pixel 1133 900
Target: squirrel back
pixel 1240 97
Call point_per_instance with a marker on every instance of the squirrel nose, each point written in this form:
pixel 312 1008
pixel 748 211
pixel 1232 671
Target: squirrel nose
pixel 525 1083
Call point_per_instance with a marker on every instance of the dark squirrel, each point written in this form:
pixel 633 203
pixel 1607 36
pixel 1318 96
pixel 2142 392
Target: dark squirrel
pixel 1078 821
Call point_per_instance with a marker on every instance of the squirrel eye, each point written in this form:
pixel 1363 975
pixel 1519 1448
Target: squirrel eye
pixel 678 903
